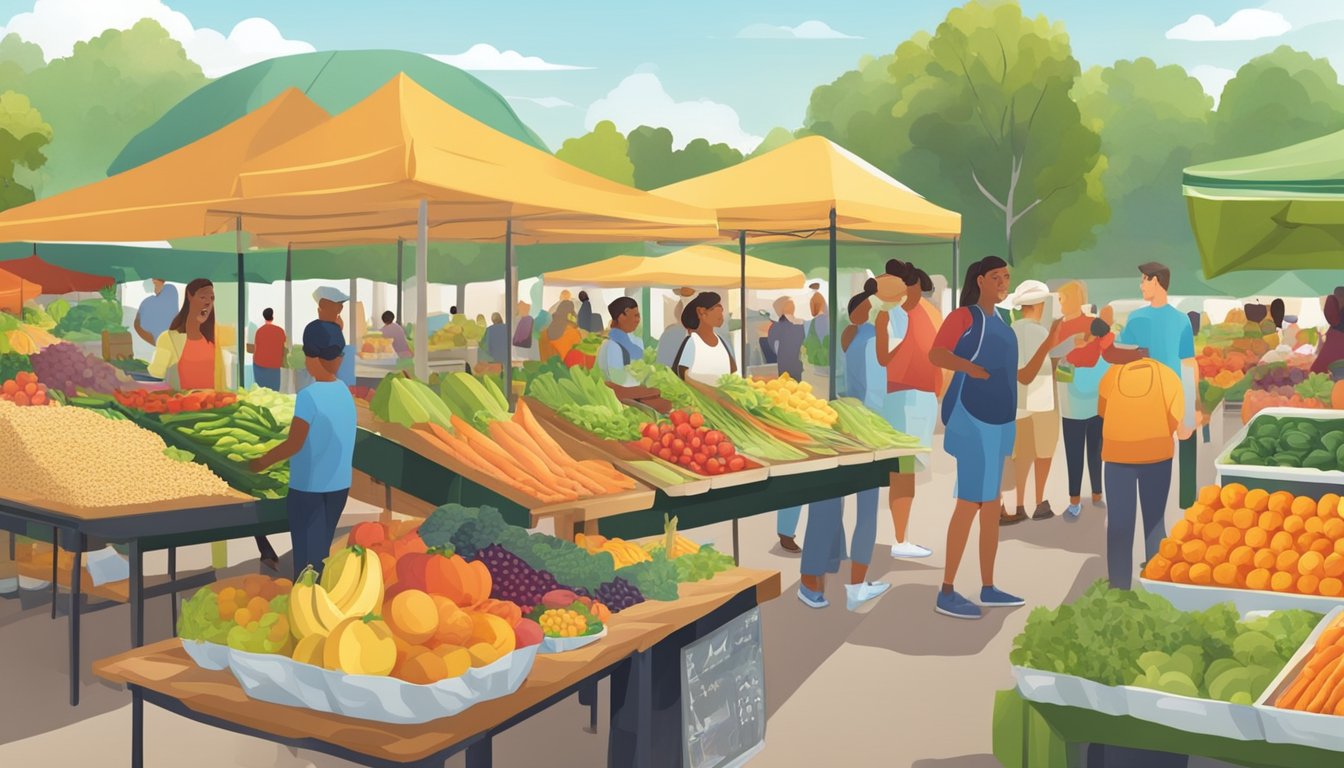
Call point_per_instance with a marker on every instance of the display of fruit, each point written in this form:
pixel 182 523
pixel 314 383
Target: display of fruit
pixel 1256 401
pixel 685 441
pixel 1229 366
pixel 24 389
pixel 236 614
pixel 357 581
pixel 174 402
pixel 1252 539
pixel 1296 442
pixel 66 368
pixel 796 396
pixel 491 639
pixel 360 645
pixel 528 633
pixel 568 622
pixel 412 615
pixel 457 334
pixel 619 594
pixel 624 553
pixel 374 345
pixel 1318 686
pixel 513 579
pixel 467 584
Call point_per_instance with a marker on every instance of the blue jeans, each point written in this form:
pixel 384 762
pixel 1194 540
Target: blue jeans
pixel 1130 487
pixel 312 525
pixel 266 377
pixel 824 542
pixel 786 521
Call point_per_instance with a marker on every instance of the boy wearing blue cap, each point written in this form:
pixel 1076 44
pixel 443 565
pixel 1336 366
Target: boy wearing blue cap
pixel 320 448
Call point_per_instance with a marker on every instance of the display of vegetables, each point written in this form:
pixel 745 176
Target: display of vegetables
pixel 78 458
pixel 1232 537
pixel 1290 441
pixel 174 402
pixel 87 320
pixel 582 397
pixel 24 389
pixel 12 364
pixel 795 397
pixel 1318 686
pixel 684 440
pixel 1123 637
pixel 572 619
pixel 235 433
pixel 279 404
pixel 856 420
pixel 405 401
pixel 65 367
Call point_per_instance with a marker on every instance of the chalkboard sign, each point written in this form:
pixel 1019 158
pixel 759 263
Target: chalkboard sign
pixel 723 695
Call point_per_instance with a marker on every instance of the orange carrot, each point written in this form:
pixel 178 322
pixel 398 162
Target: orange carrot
pixel 539 434
pixel 530 462
pixel 606 474
pixel 518 433
pixel 464 452
pixel 591 486
pixel 1309 695
pixel 491 452
pixel 1310 671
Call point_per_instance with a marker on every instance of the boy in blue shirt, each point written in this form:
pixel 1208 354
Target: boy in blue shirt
pixel 320 448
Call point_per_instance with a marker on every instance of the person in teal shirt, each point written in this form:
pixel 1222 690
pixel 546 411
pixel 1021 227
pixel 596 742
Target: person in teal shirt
pixel 1163 333
pixel 621 348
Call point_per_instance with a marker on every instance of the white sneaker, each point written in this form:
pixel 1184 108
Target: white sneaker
pixel 30 584
pixel 906 549
pixel 858 594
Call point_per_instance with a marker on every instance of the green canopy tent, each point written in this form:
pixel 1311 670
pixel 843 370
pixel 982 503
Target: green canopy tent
pixel 1277 210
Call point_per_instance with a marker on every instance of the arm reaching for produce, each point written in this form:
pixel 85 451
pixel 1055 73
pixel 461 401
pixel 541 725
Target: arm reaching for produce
pixel 298 434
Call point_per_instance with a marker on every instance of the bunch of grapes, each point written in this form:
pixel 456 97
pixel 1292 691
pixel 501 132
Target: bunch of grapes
pixel 65 367
pixel 619 594
pixel 513 579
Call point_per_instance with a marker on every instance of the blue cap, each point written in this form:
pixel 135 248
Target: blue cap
pixel 324 340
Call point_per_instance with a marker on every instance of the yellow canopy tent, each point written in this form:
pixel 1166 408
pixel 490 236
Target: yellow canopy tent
pixel 809 187
pixel 701 266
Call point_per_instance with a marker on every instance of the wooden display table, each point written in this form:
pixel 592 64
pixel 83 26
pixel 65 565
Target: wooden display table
pixel 165 676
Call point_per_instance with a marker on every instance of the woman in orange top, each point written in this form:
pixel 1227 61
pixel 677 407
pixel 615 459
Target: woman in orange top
pixel 562 334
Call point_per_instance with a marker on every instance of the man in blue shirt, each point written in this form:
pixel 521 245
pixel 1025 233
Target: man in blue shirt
pixel 156 312
pixel 621 348
pixel 1163 333
pixel 320 448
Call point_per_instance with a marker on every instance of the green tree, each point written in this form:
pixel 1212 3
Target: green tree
pixel 1153 122
pixel 1275 100
pixel 776 138
pixel 23 135
pixel 602 151
pixel 108 90
pixel 657 164
pixel 18 58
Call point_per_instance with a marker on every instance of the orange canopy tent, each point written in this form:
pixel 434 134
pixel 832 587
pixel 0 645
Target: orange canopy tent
pixel 14 290
pixel 53 279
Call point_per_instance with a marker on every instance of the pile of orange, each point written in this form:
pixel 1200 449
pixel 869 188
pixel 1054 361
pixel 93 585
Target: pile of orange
pixel 1253 539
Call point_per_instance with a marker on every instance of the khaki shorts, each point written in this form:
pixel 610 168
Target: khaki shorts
pixel 1037 436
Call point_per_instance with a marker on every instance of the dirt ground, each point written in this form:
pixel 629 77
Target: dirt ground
pixel 895 686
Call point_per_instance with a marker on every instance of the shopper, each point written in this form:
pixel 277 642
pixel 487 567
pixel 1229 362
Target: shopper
pixel 562 334
pixel 330 304
pixel 825 544
pixel 393 332
pixel 497 340
pixel 185 355
pixel 589 321
pixel 320 447
pixel 1078 377
pixel 820 324
pixel 156 312
pixel 1037 414
pixel 675 333
pixel 268 352
pixel 705 356
pixel 1141 406
pixel 979 411
pixel 622 347
pixel 1331 348
pixel 905 334
pixel 786 339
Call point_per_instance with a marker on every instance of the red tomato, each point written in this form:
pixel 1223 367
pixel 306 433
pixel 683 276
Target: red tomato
pixel 699 458
pixel 736 463
pixel 714 467
pixel 678 417
pixel 651 431
pixel 725 449
pixel 696 442
pixel 687 452
pixel 713 437
pixel 678 445
pixel 684 431
pixel 646 444
pixel 697 420
pixel 665 454
pixel 696 468
pixel 666 439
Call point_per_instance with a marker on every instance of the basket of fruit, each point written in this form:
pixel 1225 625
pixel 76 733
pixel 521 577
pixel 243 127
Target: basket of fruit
pixel 568 622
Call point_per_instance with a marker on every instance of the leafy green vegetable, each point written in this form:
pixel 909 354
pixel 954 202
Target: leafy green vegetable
pixel 13 363
pixel 869 428
pixel 702 565
pixel 89 319
pixel 583 398
pixel 657 578
pixel 200 620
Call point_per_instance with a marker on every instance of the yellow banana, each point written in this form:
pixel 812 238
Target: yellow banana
pixel 324 610
pixel 302 623
pixel 340 577
pixel 368 592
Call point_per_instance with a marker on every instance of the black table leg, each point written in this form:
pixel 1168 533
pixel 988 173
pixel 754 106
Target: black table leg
pixel 481 753
pixel 172 579
pixel 137 595
pixel 137 728
pixel 55 562
pixel 588 698
pixel 643 673
pixel 75 584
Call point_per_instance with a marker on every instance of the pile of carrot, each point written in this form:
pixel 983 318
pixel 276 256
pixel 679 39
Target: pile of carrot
pixel 520 453
pixel 1319 687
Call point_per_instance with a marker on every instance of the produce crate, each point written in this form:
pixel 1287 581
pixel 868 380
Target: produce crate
pixel 1298 481
pixel 1045 687
pixel 1287 726
pixel 1197 597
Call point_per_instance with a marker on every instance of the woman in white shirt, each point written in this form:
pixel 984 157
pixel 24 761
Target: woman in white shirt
pixel 704 356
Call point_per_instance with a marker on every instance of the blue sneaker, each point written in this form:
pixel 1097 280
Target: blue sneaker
pixel 1072 512
pixel 956 606
pixel 993 597
pixel 812 599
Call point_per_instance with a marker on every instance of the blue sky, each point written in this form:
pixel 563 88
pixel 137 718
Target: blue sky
pixel 689 62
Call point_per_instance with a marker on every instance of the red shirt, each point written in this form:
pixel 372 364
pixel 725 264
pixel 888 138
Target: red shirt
pixel 954 327
pixel 196 367
pixel 910 367
pixel 269 346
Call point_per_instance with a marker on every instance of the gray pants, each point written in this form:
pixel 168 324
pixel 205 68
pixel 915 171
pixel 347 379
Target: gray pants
pixel 824 542
pixel 1130 487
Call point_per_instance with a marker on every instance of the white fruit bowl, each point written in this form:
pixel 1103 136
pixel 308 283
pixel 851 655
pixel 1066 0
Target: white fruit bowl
pixel 563 644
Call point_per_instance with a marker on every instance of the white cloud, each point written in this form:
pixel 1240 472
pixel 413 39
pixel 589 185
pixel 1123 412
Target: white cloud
pixel 549 102
pixel 1213 79
pixel 1305 13
pixel 1246 24
pixel 640 99
pixel 56 25
pixel 483 57
pixel 808 30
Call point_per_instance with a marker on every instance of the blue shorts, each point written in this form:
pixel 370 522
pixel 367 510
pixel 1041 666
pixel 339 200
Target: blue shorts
pixel 913 412
pixel 980 449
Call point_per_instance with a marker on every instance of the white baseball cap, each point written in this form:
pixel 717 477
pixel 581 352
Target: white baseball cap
pixel 330 294
pixel 1028 293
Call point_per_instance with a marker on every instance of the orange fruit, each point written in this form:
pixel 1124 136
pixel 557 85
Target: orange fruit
pixel 1210 495
pixel 1243 572
pixel 1334 528
pixel 1205 515
pixel 1328 506
pixel 1333 564
pixel 1192 514
pixel 1310 563
pixel 1243 555
pixel 1264 558
pixel 1257 500
pixel 1256 538
pixel 1339 547
pixel 1244 519
pixel 1281 542
pixel 1157 568
pixel 1258 579
pixel 1180 573
pixel 1280 501
pixel 1201 573
pixel 1223 516
pixel 1232 495
pixel 1304 506
pixel 1211 532
pixel 1281 581
pixel 1304 541
pixel 1225 574
pixel 1287 560
pixel 1193 551
pixel 1215 555
pixel 1307 585
pixel 1270 521
pixel 1181 530
pixel 1321 545
pixel 1313 525
pixel 1231 537
pixel 1294 524
pixel 1170 549
pixel 1330 587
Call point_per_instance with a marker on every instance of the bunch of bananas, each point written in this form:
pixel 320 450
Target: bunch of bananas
pixel 351 586
pixel 797 398
pixel 622 552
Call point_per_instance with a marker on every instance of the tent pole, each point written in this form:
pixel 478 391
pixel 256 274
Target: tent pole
pixel 400 318
pixel 831 288
pixel 956 274
pixel 510 276
pixel 289 300
pixel 242 305
pixel 646 301
pixel 742 252
pixel 422 292
pixel 355 314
